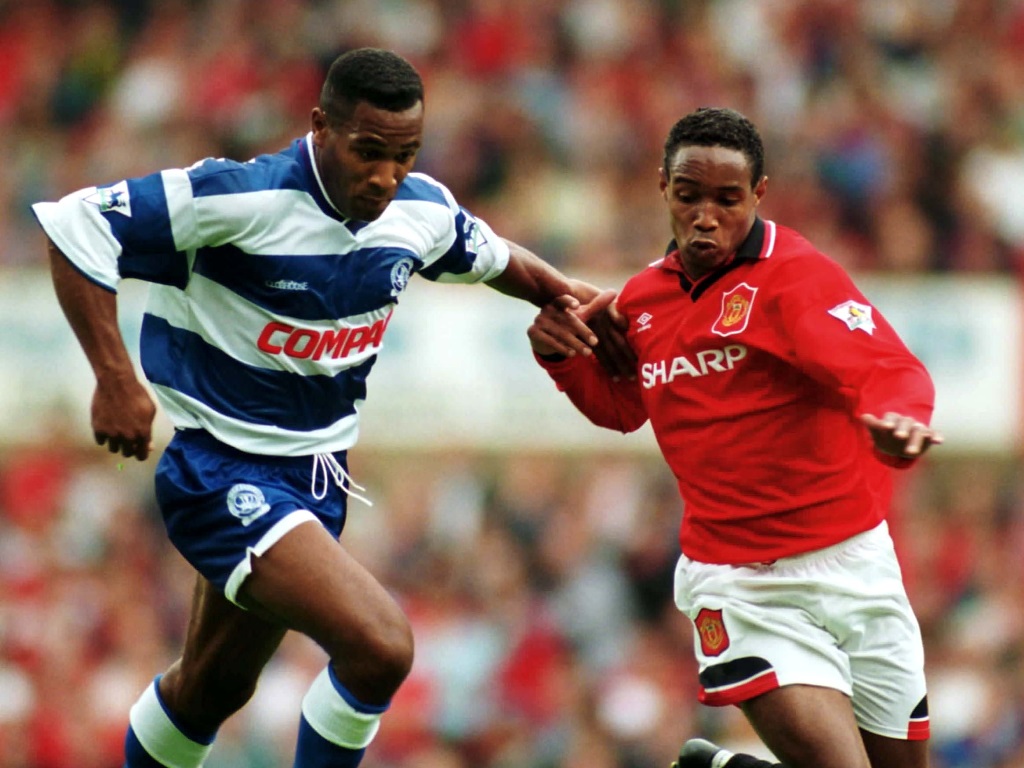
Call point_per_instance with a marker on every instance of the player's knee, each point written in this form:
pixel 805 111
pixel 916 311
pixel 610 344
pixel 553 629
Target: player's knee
pixel 393 650
pixel 384 663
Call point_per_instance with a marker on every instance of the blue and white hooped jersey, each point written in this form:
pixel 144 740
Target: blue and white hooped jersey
pixel 267 307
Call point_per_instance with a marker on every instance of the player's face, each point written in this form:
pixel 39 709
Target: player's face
pixel 365 157
pixel 712 204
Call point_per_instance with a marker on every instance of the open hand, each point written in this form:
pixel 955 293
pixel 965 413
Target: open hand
pixel 902 436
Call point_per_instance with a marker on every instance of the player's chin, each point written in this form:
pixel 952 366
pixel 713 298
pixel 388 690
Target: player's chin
pixel 709 257
pixel 369 208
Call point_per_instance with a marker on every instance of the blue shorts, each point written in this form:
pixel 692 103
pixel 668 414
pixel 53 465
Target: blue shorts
pixel 221 506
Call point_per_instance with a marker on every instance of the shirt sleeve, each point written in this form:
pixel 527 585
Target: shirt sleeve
pixel 838 338
pixel 469 252
pixel 145 227
pixel 611 404
pixel 118 231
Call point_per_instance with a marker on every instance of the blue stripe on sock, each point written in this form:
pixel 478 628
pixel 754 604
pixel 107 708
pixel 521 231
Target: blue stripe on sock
pixel 314 751
pixel 135 756
pixel 352 701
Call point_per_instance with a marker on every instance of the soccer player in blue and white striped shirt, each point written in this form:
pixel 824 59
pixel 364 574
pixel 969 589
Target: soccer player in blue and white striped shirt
pixel 273 282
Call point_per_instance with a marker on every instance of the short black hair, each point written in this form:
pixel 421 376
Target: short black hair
pixel 718 127
pixel 380 77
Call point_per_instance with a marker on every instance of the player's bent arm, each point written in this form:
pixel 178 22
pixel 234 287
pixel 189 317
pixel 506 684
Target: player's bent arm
pixel 91 310
pixel 891 392
pixel 606 401
pixel 851 350
pixel 122 410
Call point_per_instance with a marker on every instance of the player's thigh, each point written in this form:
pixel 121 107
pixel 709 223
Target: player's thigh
pixel 808 727
pixel 225 651
pixel 895 753
pixel 223 636
pixel 308 581
pixel 882 639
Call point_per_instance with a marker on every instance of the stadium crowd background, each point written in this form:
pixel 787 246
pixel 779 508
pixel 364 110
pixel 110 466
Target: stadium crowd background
pixel 538 582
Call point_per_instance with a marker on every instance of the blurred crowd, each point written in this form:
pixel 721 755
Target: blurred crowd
pixel 894 130
pixel 539 585
pixel 539 588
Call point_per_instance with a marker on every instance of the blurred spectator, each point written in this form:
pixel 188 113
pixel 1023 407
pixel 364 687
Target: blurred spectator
pixel 539 588
pixel 896 131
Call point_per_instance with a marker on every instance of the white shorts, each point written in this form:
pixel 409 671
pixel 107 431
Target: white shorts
pixel 837 617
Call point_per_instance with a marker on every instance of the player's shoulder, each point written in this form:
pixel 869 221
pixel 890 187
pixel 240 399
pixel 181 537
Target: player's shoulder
pixel 284 170
pixel 422 204
pixel 638 284
pixel 421 188
pixel 790 250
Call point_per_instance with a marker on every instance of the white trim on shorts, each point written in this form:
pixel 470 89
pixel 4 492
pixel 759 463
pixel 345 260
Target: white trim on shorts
pixel 244 568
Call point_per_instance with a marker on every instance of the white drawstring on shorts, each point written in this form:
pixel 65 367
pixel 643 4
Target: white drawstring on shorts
pixel 329 468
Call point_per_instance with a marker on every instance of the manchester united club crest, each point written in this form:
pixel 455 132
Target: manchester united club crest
pixel 736 305
pixel 714 640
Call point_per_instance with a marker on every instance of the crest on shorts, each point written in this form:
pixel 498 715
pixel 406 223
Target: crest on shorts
pixel 711 629
pixel 857 316
pixel 736 306
pixel 247 503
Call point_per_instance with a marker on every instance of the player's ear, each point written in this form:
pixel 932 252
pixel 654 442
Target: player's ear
pixel 662 180
pixel 759 189
pixel 318 123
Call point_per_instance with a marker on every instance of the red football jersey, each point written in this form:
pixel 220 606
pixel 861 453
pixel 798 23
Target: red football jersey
pixel 753 378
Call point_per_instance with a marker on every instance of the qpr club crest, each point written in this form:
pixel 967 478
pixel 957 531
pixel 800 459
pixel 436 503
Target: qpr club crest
pixel 247 503
pixel 736 305
pixel 714 640
pixel 400 274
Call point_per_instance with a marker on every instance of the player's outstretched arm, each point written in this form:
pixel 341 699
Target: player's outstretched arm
pixel 122 410
pixel 530 278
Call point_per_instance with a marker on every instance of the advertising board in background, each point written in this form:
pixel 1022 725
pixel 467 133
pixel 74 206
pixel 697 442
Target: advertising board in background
pixel 456 368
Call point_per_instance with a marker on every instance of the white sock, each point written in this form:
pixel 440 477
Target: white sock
pixel 335 719
pixel 154 729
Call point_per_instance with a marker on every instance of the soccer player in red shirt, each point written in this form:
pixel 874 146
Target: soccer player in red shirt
pixel 782 400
